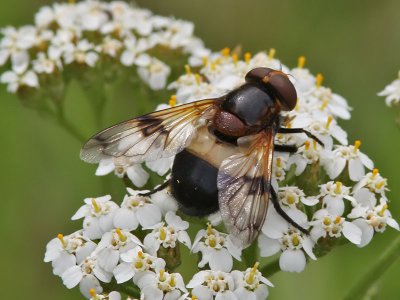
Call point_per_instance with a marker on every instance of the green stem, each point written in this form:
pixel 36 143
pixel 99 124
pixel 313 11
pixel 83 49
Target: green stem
pixel 271 268
pixel 128 288
pixel 68 126
pixel 250 255
pixel 362 287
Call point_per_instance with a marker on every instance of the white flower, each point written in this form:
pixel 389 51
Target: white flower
pixel 110 296
pixel 98 214
pixel 291 196
pixel 133 52
pixel 112 244
pixel 250 284
pixel 160 285
pixel 67 251
pixel 209 285
pixel 326 224
pixel 135 210
pixel 309 153
pixel 92 16
pixel 15 45
pixel 333 194
pixel 81 53
pixel 353 158
pixel 87 274
pixel 304 81
pixel 373 182
pixel 110 46
pixel 371 219
pixel 217 249
pixel 135 262
pixel 279 166
pixel 323 100
pixel 123 166
pixel 155 74
pixel 165 201
pixel 323 127
pixel 47 63
pixel 278 235
pixel 160 166
pixel 392 92
pixel 167 235
pixel 16 80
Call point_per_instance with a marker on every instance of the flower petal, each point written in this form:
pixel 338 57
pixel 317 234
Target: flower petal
pixel 292 261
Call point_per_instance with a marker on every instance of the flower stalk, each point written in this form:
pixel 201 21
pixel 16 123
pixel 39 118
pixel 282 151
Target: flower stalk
pixel 373 275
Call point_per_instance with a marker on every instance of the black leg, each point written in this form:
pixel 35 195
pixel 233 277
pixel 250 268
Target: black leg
pixel 162 186
pixel 285 148
pixel 281 212
pixel 300 130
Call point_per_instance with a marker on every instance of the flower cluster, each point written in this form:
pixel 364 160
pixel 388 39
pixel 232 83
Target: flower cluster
pixel 392 92
pixel 326 186
pixel 108 247
pixel 349 199
pixel 89 34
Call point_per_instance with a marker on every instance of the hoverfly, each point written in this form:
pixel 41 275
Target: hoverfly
pixel 223 150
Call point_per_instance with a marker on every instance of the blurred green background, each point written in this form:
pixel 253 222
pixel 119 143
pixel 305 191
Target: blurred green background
pixel 355 44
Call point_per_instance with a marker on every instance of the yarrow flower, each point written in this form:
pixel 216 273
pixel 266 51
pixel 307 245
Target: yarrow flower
pixel 217 249
pixel 391 92
pixel 124 33
pixel 279 236
pixel 98 216
pixel 320 182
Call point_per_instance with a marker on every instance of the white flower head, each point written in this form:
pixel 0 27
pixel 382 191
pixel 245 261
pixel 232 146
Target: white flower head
pixel 135 262
pixel 333 195
pixel 111 246
pixel 16 80
pixel 217 249
pixel 167 235
pixel 250 284
pixel 82 53
pixel 373 182
pixel 326 224
pixel 371 219
pixel 292 196
pixel 155 74
pixel 98 216
pixel 123 167
pixel 67 251
pixel 309 153
pixel 136 209
pixel 392 92
pixel 87 274
pixel 209 285
pixel 279 236
pixel 161 285
pixel 353 158
pixel 279 166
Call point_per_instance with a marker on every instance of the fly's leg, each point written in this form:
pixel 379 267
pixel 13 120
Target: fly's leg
pixel 283 214
pixel 285 148
pixel 299 130
pixel 161 187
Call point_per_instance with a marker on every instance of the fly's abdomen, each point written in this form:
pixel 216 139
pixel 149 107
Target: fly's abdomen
pixel 194 184
pixel 195 171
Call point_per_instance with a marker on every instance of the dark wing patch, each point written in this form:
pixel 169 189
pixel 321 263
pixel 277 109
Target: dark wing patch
pixel 156 135
pixel 244 181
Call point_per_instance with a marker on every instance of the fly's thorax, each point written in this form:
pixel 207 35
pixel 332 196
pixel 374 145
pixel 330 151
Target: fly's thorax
pixel 253 104
pixel 211 149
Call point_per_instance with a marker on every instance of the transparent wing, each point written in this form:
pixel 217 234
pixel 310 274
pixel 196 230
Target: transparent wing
pixel 159 134
pixel 244 187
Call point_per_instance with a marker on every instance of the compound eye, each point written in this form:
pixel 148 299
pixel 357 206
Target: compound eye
pixel 284 89
pixel 257 74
